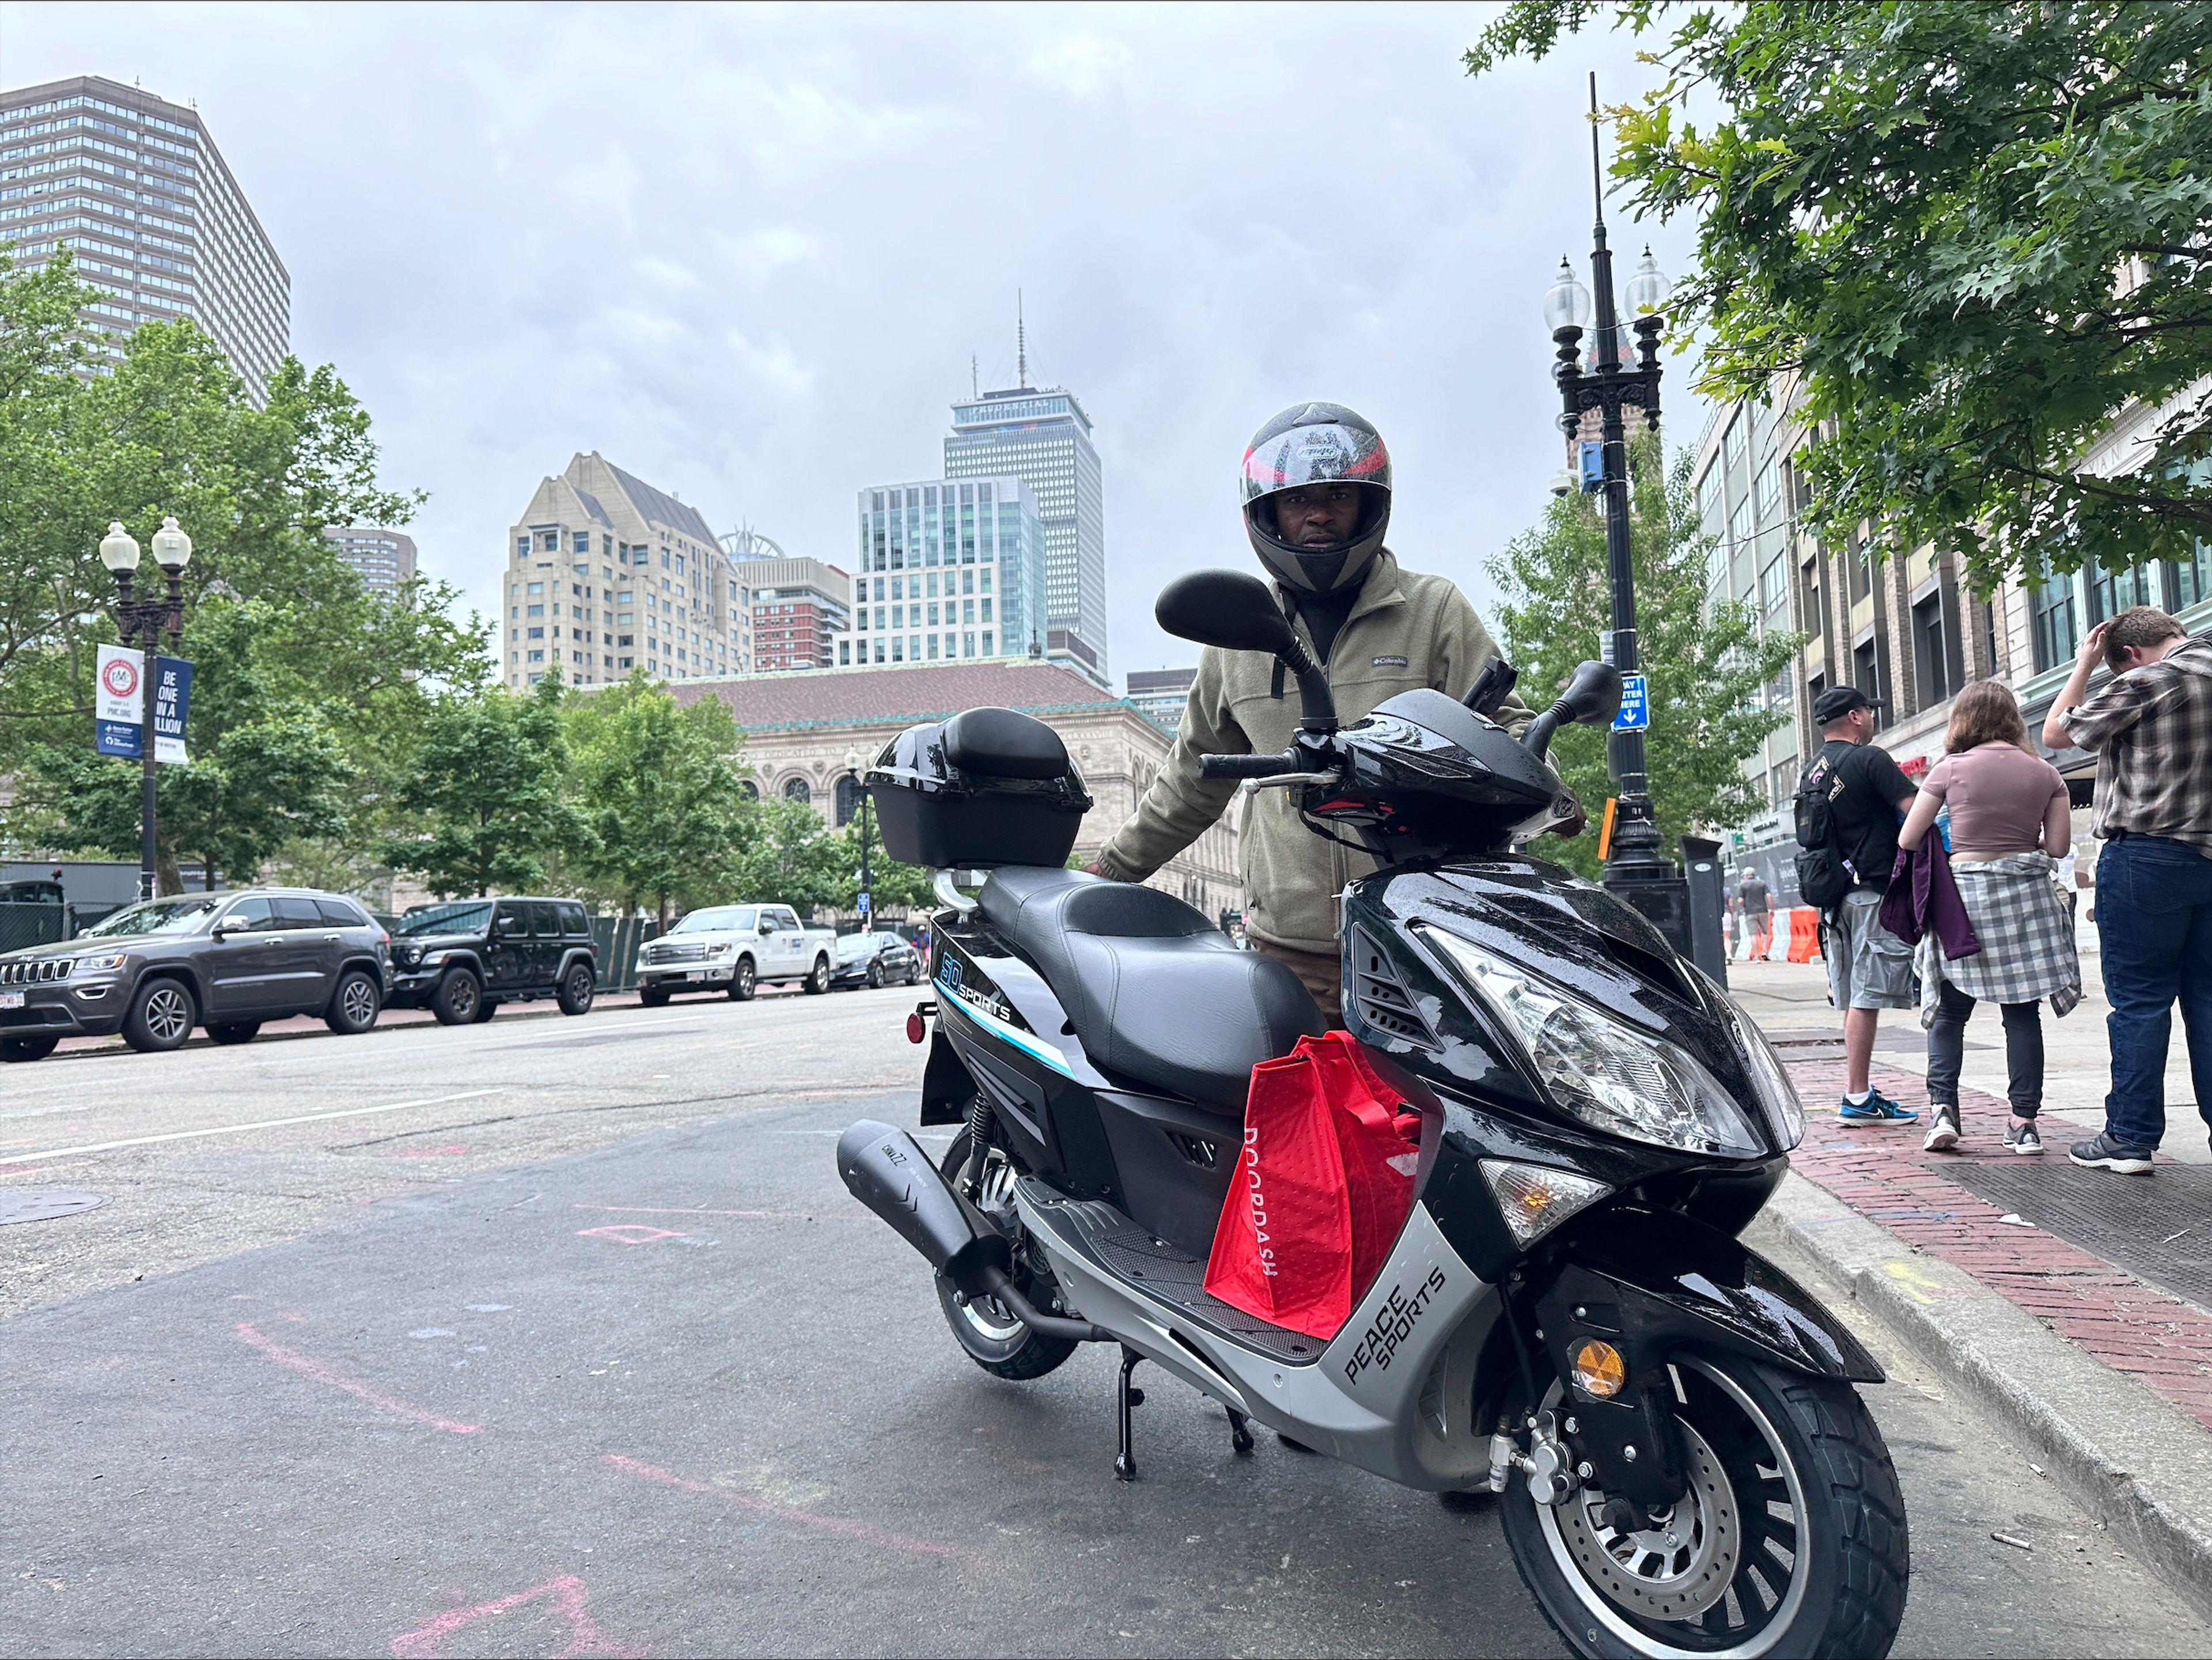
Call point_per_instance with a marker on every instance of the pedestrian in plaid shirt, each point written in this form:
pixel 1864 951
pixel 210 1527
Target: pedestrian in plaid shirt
pixel 2150 729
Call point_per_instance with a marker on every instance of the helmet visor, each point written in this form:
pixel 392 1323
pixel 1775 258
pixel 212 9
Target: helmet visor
pixel 1325 453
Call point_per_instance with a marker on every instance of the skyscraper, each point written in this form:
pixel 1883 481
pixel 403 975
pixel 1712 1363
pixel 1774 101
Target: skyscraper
pixel 971 553
pixel 1042 437
pixel 607 574
pixel 136 189
pixel 382 557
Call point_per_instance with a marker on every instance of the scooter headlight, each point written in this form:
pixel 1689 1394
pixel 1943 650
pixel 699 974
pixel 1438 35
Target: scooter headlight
pixel 1778 1096
pixel 1609 1074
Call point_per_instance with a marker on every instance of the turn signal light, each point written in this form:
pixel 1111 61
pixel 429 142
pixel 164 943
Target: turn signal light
pixel 916 1027
pixel 1599 1370
pixel 1533 1199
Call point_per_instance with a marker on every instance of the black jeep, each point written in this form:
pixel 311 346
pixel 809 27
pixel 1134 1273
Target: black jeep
pixel 461 960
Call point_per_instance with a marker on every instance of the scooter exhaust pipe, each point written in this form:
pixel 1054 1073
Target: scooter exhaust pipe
pixel 887 1172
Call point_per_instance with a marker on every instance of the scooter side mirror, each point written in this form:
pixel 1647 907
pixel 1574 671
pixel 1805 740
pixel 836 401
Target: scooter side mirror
pixel 1229 609
pixel 1593 697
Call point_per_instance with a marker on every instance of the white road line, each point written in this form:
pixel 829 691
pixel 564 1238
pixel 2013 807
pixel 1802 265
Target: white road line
pixel 234 1129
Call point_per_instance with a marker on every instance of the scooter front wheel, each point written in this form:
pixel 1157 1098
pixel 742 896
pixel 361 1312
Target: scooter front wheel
pixel 1790 1539
pixel 994 1338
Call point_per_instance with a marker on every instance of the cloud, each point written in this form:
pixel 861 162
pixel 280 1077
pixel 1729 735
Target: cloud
pixel 748 253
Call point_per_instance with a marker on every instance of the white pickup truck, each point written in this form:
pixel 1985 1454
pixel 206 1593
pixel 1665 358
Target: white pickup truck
pixel 731 949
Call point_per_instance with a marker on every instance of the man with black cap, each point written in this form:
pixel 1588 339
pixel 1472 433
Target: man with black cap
pixel 1869 967
pixel 1316 491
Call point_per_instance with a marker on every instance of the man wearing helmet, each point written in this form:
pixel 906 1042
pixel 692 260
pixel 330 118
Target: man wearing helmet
pixel 1316 502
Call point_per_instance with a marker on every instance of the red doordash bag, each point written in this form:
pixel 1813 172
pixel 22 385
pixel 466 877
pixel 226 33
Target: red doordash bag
pixel 1324 1181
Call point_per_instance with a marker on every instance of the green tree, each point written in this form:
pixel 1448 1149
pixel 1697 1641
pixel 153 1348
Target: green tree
pixel 786 856
pixel 1973 233
pixel 1705 661
pixel 890 884
pixel 660 792
pixel 484 793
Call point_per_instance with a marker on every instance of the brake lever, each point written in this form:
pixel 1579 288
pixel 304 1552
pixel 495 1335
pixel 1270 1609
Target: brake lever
pixel 1284 781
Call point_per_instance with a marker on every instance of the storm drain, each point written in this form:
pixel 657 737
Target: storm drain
pixel 44 1204
pixel 2159 1228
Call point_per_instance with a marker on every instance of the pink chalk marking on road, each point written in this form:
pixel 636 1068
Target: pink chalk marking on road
pixel 630 1233
pixel 675 1210
pixel 309 1366
pixel 427 1641
pixel 836 1524
pixel 452 1151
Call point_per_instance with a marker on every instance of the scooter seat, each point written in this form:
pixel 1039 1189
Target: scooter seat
pixel 1158 995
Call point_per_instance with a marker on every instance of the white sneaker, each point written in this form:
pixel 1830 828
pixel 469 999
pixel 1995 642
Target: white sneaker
pixel 1942 1131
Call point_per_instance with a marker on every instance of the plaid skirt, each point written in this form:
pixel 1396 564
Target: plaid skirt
pixel 2026 934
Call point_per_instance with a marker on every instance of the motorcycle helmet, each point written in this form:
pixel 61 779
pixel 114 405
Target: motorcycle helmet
pixel 1317 444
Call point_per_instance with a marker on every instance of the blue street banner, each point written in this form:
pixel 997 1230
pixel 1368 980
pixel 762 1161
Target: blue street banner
pixel 173 702
pixel 115 738
pixel 1635 705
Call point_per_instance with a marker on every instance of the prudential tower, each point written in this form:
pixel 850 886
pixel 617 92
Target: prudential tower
pixel 1041 436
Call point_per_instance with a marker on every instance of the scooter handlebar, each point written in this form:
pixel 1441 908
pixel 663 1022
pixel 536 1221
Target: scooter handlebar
pixel 1249 766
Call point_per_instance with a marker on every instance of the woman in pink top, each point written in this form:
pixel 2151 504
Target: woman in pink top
pixel 2009 821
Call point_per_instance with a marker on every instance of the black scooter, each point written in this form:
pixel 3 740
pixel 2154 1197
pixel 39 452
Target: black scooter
pixel 1567 1317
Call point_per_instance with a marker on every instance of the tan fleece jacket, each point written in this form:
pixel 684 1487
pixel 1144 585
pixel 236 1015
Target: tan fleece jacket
pixel 1407 630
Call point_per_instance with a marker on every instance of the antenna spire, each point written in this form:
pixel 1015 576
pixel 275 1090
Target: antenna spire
pixel 1597 179
pixel 1021 345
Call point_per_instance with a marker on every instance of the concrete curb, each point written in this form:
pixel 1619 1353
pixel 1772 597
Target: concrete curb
pixel 2127 1456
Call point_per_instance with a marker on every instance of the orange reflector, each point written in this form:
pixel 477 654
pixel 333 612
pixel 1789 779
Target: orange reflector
pixel 1599 1370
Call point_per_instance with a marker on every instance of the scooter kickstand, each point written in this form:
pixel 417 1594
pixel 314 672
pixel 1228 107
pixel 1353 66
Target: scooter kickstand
pixel 1239 1431
pixel 1125 1465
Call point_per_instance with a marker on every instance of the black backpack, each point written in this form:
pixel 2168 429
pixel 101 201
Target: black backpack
pixel 1824 875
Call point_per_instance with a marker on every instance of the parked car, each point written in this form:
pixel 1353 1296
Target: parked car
pixel 224 962
pixel 461 960
pixel 874 959
pixel 731 949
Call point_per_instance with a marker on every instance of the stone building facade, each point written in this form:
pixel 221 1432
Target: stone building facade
pixel 800 728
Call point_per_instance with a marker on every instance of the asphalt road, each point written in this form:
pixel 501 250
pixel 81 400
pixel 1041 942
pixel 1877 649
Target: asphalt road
pixel 566 1338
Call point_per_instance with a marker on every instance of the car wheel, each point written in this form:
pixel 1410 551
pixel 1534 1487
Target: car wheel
pixel 742 982
pixel 913 973
pixel 650 998
pixel 875 976
pixel 26 1049
pixel 457 998
pixel 232 1031
pixel 487 1008
pixel 356 1004
pixel 819 982
pixel 162 1015
pixel 578 987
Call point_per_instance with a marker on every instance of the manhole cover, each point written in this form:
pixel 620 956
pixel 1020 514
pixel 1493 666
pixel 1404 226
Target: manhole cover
pixel 44 1204
pixel 2159 1228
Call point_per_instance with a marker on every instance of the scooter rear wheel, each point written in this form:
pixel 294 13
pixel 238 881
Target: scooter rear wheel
pixel 993 1339
pixel 1792 1540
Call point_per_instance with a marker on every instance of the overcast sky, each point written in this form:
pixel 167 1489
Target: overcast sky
pixel 747 254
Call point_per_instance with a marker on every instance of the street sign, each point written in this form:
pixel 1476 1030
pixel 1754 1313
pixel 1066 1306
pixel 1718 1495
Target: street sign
pixel 863 905
pixel 1635 705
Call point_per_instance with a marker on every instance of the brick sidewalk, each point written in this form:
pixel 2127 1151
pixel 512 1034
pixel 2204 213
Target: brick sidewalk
pixel 1883 1176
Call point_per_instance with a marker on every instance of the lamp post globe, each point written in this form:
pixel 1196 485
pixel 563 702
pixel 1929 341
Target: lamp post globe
pixel 172 548
pixel 118 550
pixel 1645 293
pixel 1567 301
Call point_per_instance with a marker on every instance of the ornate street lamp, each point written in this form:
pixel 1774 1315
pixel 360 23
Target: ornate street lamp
pixel 145 621
pixel 1635 869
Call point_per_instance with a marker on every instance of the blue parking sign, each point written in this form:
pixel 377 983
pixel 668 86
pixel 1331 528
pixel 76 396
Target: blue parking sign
pixel 1635 705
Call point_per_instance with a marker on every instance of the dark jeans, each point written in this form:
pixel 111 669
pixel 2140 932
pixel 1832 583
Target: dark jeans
pixel 1946 1042
pixel 2154 925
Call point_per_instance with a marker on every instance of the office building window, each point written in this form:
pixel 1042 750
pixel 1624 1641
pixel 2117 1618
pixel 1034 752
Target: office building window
pixel 2057 622
pixel 1931 657
pixel 521 546
pixel 2113 591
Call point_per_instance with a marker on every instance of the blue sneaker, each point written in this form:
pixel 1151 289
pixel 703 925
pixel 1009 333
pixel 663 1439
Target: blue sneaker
pixel 1876 1109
